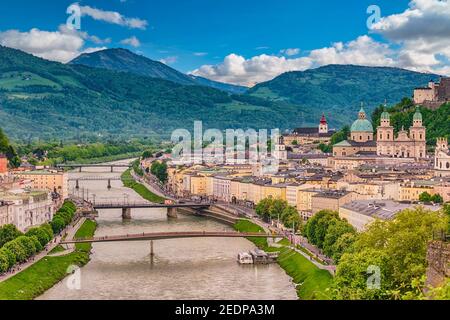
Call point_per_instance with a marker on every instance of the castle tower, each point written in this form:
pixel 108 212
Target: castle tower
pixel 442 144
pixel 323 127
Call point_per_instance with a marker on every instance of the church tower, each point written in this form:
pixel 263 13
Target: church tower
pixel 323 127
pixel 417 133
pixel 280 151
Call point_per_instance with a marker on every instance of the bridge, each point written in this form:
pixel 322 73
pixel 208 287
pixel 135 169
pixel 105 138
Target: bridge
pixel 127 206
pixel 171 235
pixel 109 180
pixel 81 166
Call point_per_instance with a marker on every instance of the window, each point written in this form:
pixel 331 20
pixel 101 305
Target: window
pixel 448 165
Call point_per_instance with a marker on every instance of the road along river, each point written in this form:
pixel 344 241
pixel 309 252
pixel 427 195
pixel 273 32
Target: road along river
pixel 181 269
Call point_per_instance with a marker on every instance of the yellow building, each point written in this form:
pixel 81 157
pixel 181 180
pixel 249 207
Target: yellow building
pixel 411 190
pixel 51 180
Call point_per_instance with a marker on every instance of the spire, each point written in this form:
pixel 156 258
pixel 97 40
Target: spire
pixel 362 112
pixel 324 119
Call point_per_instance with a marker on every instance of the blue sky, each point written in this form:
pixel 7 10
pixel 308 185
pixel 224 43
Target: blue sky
pixel 227 40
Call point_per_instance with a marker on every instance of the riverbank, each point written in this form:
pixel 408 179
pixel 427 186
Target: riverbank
pixel 47 272
pixel 129 182
pixel 312 282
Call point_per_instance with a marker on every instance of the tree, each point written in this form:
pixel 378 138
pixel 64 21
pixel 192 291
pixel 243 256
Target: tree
pixel 317 226
pixel 425 197
pixel 336 229
pixel 41 234
pixel 159 170
pixel 11 257
pixel 290 217
pixel 8 233
pixel 147 154
pixel 398 248
pixel 437 198
pixel 263 208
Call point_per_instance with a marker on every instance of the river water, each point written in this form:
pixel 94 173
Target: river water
pixel 181 269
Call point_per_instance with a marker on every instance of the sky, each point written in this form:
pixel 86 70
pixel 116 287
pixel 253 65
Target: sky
pixel 237 41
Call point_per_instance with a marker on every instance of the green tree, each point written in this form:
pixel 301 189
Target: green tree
pixel 8 233
pixel 425 197
pixel 263 208
pixel 336 229
pixel 290 217
pixel 437 198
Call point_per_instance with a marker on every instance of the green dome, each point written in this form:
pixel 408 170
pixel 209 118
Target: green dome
pixel 385 116
pixel 362 125
pixel 417 115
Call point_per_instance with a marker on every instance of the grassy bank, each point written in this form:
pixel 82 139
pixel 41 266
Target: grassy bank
pixel 142 190
pixel 312 281
pixel 47 272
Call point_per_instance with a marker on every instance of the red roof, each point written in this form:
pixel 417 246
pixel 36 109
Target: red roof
pixel 323 120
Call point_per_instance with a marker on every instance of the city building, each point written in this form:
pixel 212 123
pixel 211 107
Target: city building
pixel 410 191
pixel 361 213
pixel 26 209
pixel 412 145
pixel 301 136
pixel 52 180
pixel 3 165
pixel 442 158
pixel 330 200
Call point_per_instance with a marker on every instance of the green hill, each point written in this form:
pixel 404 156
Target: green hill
pixel 43 99
pixel 339 89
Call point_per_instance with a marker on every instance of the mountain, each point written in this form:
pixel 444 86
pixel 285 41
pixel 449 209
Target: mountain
pixel 339 90
pixel 127 61
pixel 47 100
pixel 219 85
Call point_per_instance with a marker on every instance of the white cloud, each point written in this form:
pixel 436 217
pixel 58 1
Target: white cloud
pixel 62 45
pixel 423 33
pixel 290 51
pixel 238 70
pixel 169 60
pixel 133 41
pixel 113 17
pixel 200 54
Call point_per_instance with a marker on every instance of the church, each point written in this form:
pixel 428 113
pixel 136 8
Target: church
pixel 302 136
pixel 362 142
pixel 442 158
pixel 412 145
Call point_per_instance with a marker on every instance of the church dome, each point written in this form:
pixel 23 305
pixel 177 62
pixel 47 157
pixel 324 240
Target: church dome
pixel 362 124
pixel 417 115
pixel 385 116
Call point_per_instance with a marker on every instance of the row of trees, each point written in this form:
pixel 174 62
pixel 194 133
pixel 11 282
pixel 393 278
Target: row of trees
pixel 63 217
pixel 330 233
pixel 159 170
pixel 16 247
pixel 277 209
pixel 22 247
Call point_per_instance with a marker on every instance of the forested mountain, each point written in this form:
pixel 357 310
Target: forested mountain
pixel 339 89
pixel 43 99
pixel 127 61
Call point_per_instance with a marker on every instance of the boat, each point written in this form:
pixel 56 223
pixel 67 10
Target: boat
pixel 245 258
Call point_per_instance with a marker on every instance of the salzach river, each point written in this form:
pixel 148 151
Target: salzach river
pixel 181 269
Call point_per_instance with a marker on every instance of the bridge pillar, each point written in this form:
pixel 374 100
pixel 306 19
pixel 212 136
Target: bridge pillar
pixel 112 169
pixel 80 168
pixel 109 184
pixel 78 184
pixel 126 213
pixel 172 213
pixel 152 252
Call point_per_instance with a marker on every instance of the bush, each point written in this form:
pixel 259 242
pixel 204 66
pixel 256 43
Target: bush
pixel 4 263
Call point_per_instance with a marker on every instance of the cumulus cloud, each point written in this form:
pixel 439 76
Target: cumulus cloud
pixel 113 17
pixel 423 33
pixel 239 70
pixel 62 45
pixel 133 41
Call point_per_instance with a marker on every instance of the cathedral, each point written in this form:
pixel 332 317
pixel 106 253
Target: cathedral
pixel 405 145
pixel 361 142
pixel 442 158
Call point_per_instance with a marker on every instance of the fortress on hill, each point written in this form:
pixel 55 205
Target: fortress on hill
pixel 434 95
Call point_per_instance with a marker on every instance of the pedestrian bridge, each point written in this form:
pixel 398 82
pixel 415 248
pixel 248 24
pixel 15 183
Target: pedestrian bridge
pixel 145 205
pixel 171 235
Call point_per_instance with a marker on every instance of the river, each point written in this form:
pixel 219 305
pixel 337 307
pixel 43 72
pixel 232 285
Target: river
pixel 192 269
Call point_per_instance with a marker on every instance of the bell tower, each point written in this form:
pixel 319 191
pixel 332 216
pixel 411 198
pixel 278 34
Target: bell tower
pixel 323 127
